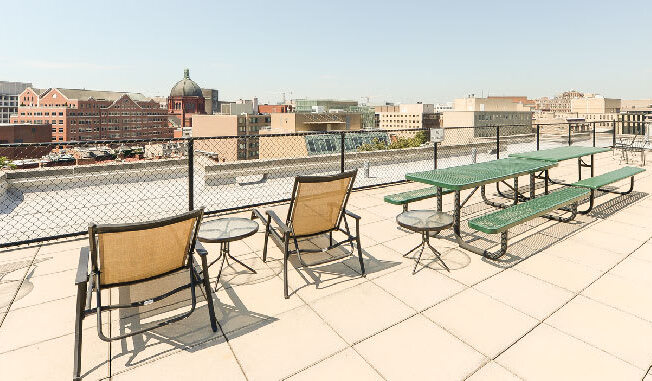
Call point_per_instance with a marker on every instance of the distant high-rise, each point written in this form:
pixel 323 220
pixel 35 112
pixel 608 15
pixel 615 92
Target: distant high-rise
pixel 9 98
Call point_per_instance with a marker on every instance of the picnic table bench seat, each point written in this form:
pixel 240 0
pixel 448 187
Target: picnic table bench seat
pixel 597 182
pixel 404 198
pixel 501 220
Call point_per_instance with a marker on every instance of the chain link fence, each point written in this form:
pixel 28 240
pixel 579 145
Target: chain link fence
pixel 52 190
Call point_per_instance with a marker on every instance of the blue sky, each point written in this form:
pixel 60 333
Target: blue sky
pixel 401 51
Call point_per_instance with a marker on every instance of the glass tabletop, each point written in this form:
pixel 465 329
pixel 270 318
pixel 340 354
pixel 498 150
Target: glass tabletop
pixel 424 220
pixel 227 229
pixel 473 175
pixel 560 153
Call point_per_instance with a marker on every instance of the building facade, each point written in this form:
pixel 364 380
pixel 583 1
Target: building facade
pixel 24 133
pixel 82 115
pixel 186 99
pixel 406 116
pixel 242 132
pixel 270 109
pixel 211 101
pixel 482 113
pixel 9 92
pixel 561 103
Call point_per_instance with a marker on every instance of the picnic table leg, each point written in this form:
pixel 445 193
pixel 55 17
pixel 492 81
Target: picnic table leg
pixel 546 181
pixel 532 190
pixel 439 199
pixel 592 164
pixel 579 168
pixel 515 190
pixel 456 214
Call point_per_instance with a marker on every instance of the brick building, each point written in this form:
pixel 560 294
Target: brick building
pixel 24 133
pixel 77 115
pixel 269 109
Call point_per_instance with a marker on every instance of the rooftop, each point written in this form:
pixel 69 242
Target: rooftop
pixel 570 301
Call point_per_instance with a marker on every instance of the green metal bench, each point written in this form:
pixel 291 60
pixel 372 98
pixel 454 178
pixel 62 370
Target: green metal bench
pixel 597 182
pixel 501 220
pixel 404 198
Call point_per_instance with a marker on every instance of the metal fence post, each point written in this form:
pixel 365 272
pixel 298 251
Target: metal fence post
pixel 538 136
pixel 497 142
pixel 613 144
pixel 593 134
pixel 569 133
pixel 191 175
pixel 342 152
pixel 434 153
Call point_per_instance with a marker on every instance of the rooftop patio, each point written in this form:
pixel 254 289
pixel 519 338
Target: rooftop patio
pixel 569 301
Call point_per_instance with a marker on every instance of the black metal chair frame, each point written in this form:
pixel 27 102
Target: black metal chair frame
pixel 88 282
pixel 283 233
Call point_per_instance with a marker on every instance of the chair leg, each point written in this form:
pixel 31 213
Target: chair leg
pixel 269 222
pixel 209 296
pixel 286 254
pixel 79 316
pixel 357 240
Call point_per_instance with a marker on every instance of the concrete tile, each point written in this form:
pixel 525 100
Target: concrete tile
pixel 208 360
pixel 417 349
pixel 284 347
pixel 53 359
pixel 548 354
pixel 378 260
pixel 525 293
pixel 619 244
pixel 623 294
pixel 32 325
pixel 635 270
pixel 361 311
pixel 618 333
pixel 421 290
pixel 316 282
pixel 585 254
pixel 383 231
pixel 468 268
pixel 644 252
pixel 561 272
pixel 347 362
pixel 240 306
pixel 37 290
pixel 486 324
pixel 492 371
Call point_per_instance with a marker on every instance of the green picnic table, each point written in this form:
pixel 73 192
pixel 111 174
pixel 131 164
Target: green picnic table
pixel 474 176
pixel 564 153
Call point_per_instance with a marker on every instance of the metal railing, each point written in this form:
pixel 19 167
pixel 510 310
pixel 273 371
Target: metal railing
pixel 53 190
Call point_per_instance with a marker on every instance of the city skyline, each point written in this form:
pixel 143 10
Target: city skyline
pixel 415 51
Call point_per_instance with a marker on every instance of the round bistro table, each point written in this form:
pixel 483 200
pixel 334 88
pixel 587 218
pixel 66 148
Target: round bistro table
pixel 424 222
pixel 224 231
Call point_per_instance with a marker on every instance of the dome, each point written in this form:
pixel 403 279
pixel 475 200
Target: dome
pixel 186 87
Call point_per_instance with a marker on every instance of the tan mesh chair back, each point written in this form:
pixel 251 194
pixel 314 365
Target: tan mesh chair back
pixel 141 251
pixel 319 202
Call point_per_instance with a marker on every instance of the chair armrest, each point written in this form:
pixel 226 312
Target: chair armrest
pixel 199 249
pixel 255 213
pixel 82 267
pixel 351 214
pixel 281 225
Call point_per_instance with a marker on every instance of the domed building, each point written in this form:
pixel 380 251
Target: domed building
pixel 186 99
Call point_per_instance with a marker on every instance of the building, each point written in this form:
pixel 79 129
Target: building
pixel 242 130
pixel 523 100
pixel 211 101
pixel 322 105
pixel 313 122
pixel 241 106
pixel 406 116
pixel 186 99
pixel 270 109
pixel 604 111
pixel 77 115
pixel 335 106
pixel 561 103
pixel 488 112
pixel 9 92
pixel 24 133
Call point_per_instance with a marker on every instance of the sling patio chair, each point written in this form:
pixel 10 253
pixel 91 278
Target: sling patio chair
pixel 317 207
pixel 131 254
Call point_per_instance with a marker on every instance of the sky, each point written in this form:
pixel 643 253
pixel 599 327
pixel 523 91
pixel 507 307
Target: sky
pixel 390 51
